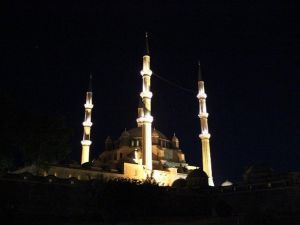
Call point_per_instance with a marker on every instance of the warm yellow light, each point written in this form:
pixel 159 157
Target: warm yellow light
pixel 88 106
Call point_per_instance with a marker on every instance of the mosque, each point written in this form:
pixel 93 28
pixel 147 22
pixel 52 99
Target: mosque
pixel 139 153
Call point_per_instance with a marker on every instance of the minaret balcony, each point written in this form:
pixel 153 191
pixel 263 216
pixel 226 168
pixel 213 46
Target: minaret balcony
pixel 201 95
pixel 87 123
pixel 146 72
pixel 146 118
pixel 88 106
pixel 146 94
pixel 140 120
pixel 204 136
pixel 203 115
pixel 86 142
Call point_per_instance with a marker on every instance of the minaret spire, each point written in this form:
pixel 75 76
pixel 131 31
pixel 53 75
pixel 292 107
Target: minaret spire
pixel 145 119
pixel 199 71
pixel 204 136
pixel 87 124
pixel 90 83
pixel 147 44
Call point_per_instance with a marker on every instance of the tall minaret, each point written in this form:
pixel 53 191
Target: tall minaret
pixel 86 141
pixel 204 136
pixel 145 119
pixel 140 113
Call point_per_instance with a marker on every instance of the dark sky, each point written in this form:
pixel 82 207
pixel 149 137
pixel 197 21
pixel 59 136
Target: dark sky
pixel 249 54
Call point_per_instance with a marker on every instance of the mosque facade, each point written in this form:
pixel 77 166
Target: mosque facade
pixel 139 153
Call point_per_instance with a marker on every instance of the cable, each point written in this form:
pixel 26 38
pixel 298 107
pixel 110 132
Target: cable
pixel 174 84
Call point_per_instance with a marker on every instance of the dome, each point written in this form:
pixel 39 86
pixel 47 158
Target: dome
pixel 226 183
pixel 125 133
pixel 137 133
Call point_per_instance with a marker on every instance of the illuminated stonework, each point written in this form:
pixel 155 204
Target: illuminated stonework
pixel 146 119
pixel 144 152
pixel 87 124
pixel 128 147
pixel 204 136
pixel 125 155
pixel 140 153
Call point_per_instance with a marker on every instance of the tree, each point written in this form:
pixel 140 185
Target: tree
pixel 30 137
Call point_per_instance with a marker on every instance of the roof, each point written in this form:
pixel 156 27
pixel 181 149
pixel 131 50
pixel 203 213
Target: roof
pixel 137 133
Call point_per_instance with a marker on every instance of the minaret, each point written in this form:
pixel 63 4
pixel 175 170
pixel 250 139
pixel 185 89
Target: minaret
pixel 204 136
pixel 145 119
pixel 140 113
pixel 87 124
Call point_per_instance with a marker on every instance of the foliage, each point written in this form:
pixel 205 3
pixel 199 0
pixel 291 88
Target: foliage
pixel 29 137
pixel 179 183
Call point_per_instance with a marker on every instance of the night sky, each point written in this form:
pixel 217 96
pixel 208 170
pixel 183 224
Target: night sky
pixel 249 55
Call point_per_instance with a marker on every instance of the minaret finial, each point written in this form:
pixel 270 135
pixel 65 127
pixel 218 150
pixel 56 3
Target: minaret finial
pixel 199 71
pixel 147 44
pixel 90 83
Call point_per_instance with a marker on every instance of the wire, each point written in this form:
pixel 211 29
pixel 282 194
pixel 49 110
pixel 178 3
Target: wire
pixel 190 91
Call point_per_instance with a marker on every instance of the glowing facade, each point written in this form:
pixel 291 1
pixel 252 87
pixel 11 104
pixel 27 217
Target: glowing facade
pixel 144 152
pixel 139 153
pixel 166 152
pixel 87 124
pixel 205 135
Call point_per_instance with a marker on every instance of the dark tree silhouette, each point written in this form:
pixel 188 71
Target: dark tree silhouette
pixel 29 137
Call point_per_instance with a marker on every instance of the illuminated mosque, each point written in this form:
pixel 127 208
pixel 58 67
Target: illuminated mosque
pixel 139 153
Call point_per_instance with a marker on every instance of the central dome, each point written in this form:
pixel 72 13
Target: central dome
pixel 137 133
